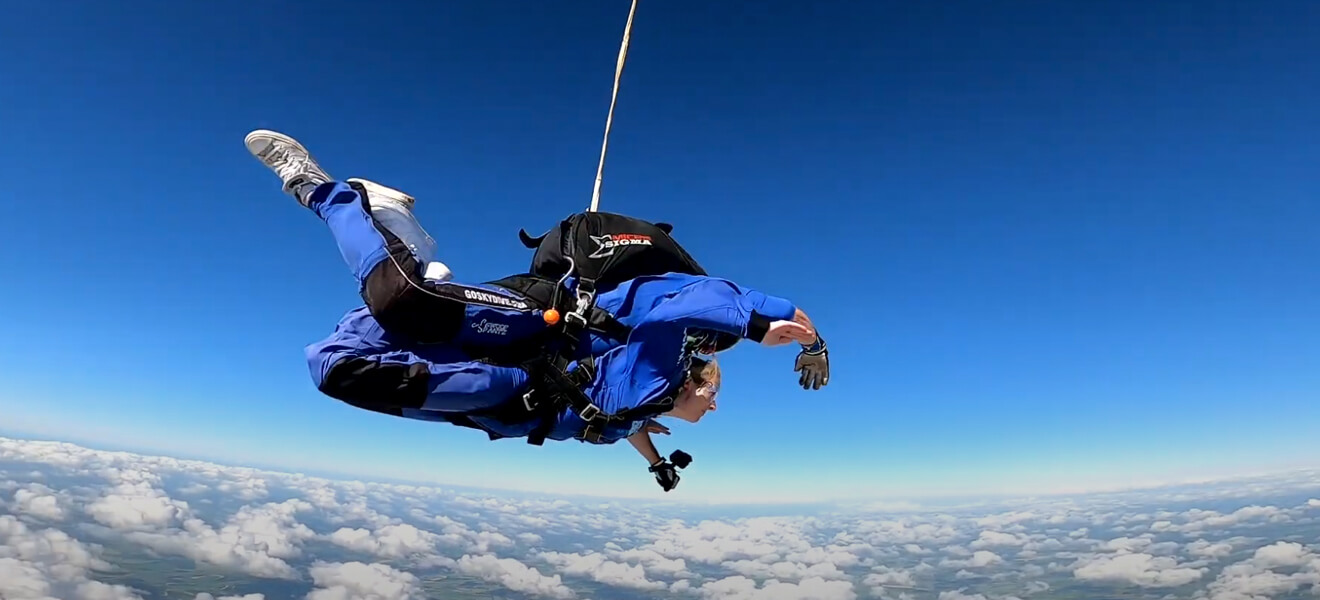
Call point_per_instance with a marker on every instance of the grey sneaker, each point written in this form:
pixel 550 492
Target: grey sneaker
pixel 294 165
pixel 377 193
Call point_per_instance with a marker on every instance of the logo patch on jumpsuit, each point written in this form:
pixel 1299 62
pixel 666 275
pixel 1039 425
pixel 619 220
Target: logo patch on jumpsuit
pixel 491 328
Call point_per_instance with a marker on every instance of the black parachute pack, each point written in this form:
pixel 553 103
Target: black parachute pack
pixel 600 250
pixel 606 249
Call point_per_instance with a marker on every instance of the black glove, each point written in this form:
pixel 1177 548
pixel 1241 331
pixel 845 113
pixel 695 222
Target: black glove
pixel 666 474
pixel 813 362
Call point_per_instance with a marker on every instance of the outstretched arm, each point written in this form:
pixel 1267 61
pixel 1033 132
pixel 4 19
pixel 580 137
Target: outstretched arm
pixel 721 305
pixel 717 305
pixel 802 319
pixel 665 473
pixel 702 310
pixel 800 329
pixel 642 442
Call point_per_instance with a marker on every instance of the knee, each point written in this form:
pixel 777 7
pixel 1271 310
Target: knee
pixel 407 306
pixel 371 384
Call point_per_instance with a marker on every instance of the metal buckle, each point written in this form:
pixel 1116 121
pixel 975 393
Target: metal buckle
pixel 592 410
pixel 527 400
pixel 579 314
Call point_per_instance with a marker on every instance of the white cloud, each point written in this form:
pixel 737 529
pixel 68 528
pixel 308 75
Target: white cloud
pixel 991 539
pixel 360 581
pixel 40 501
pixel 239 519
pixel 598 567
pixel 137 505
pixel 1198 520
pixel 1282 554
pixel 882 577
pixel 1206 549
pixel 514 575
pixel 1256 577
pixel 784 570
pixel 743 588
pixel 1138 569
pixel 20 579
pixel 1003 520
pixel 715 542
pixel 960 594
pixel 390 541
pixel 908 530
pixel 247 487
pixel 655 563
pixel 49 563
pixel 257 540
pixel 833 555
pixel 1126 544
pixel 979 559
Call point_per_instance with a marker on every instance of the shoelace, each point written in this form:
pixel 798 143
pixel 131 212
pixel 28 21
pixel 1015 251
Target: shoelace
pixel 287 163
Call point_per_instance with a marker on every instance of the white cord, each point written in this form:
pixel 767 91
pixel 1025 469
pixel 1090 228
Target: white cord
pixel 609 119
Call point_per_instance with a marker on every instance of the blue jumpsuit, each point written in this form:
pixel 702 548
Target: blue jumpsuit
pixel 659 310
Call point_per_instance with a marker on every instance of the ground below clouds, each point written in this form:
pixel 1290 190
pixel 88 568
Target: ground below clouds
pixel 83 524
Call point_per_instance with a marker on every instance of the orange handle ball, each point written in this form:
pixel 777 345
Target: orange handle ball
pixel 551 316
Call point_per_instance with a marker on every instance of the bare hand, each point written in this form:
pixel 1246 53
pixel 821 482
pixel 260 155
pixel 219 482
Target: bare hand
pixel 783 332
pixel 653 427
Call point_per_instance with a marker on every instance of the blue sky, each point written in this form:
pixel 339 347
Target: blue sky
pixel 1050 246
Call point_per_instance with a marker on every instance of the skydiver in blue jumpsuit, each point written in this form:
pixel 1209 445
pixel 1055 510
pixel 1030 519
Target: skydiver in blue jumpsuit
pixel 411 350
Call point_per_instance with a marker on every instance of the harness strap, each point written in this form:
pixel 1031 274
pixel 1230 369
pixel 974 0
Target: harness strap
pixel 553 387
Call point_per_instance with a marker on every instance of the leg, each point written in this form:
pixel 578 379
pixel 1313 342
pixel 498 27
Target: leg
pixel 407 295
pixel 396 285
pixel 365 366
pixel 392 210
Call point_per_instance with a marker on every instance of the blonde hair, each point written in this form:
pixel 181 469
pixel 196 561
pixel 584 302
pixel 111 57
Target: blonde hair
pixel 702 370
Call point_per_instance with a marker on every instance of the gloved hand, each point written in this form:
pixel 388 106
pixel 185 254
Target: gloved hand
pixel 666 474
pixel 813 362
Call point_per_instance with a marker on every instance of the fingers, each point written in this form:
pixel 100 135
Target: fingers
pixel 783 332
pixel 798 332
pixel 812 378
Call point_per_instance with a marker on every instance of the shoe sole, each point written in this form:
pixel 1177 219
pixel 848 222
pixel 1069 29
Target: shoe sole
pixel 385 191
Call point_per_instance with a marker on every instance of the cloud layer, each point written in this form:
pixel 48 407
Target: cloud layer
pixel 94 525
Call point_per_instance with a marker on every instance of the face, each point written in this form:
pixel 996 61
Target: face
pixel 694 401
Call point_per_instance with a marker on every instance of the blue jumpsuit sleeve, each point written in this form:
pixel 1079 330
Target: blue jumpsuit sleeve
pixel 651 363
pixel 719 305
pixel 772 307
